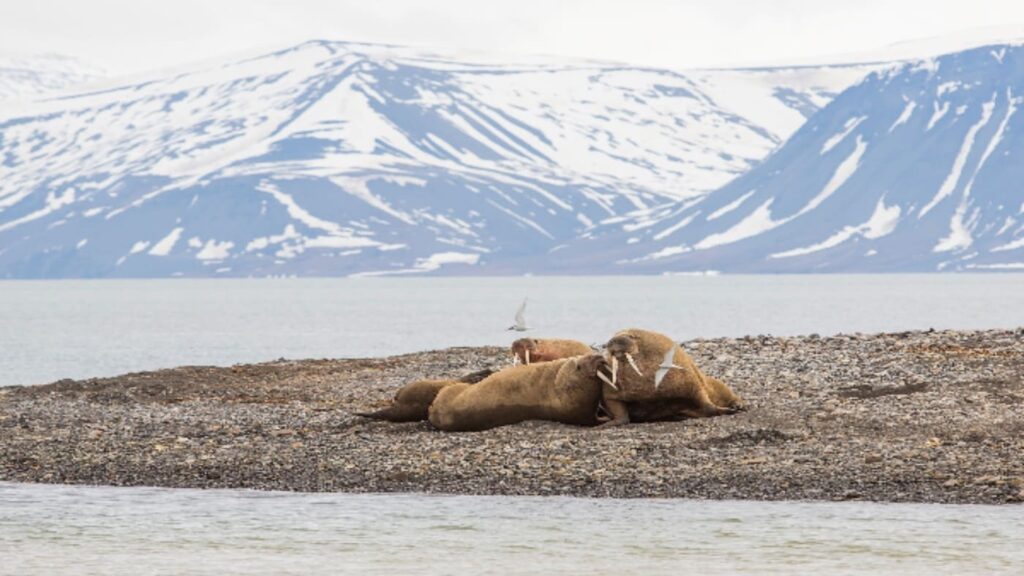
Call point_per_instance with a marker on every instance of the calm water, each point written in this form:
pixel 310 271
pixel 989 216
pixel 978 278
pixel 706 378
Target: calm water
pixel 52 330
pixel 113 531
pixel 76 329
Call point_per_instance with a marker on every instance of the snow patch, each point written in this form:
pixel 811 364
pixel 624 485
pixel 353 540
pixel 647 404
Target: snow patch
pixel 663 253
pixel 730 206
pixel 166 244
pixel 53 203
pixel 881 223
pixel 1006 266
pixel 961 159
pixel 937 114
pixel 959 234
pixel 1018 243
pixel 675 227
pixel 214 250
pixel 843 172
pixel 428 264
pixel 908 110
pixel 946 87
pixel 834 141
pixel 757 222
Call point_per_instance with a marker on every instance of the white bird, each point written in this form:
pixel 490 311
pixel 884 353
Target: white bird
pixel 666 365
pixel 520 325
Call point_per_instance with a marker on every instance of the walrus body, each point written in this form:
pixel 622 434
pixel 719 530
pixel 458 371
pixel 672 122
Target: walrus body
pixel 530 350
pixel 412 400
pixel 566 391
pixel 684 392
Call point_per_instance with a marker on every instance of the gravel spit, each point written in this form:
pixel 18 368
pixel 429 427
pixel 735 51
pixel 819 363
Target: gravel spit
pixel 934 416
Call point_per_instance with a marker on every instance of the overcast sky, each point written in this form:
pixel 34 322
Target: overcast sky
pixel 134 35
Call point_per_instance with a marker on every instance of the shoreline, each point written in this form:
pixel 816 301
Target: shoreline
pixel 413 494
pixel 926 416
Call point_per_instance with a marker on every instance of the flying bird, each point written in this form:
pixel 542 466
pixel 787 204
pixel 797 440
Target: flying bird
pixel 520 325
pixel 666 365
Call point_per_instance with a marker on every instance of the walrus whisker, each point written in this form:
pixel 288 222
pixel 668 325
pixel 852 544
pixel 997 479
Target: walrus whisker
pixel 632 364
pixel 606 380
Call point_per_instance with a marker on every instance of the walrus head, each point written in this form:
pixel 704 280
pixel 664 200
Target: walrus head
pixel 622 346
pixel 593 366
pixel 521 350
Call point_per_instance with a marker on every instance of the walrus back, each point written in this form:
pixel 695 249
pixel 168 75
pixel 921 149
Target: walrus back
pixel 556 349
pixel 512 395
pixel 412 402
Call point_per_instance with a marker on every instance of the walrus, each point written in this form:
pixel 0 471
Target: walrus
pixel 529 350
pixel 684 392
pixel 412 400
pixel 566 390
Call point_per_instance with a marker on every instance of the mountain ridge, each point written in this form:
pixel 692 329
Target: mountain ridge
pixel 834 199
pixel 331 158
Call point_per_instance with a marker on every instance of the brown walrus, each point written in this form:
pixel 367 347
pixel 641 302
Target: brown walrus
pixel 566 391
pixel 529 350
pixel 636 356
pixel 412 400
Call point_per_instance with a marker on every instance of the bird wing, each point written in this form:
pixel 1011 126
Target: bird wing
pixel 659 376
pixel 666 365
pixel 520 317
pixel 669 356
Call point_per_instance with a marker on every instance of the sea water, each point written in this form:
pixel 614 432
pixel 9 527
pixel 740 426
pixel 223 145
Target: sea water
pixel 130 531
pixel 75 329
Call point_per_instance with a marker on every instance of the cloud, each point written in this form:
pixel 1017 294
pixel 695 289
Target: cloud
pixel 126 35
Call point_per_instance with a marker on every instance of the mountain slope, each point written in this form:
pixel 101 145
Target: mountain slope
pixel 33 76
pixel 914 169
pixel 333 159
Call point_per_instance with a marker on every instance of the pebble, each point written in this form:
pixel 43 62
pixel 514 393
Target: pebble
pixel 882 417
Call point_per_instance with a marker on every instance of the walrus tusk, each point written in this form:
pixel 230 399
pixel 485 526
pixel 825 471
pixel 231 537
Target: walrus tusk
pixel 615 370
pixel 527 355
pixel 632 364
pixel 606 380
pixel 515 359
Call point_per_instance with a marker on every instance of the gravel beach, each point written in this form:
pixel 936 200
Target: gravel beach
pixel 933 416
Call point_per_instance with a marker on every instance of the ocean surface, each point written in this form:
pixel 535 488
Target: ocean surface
pixel 75 329
pixel 130 531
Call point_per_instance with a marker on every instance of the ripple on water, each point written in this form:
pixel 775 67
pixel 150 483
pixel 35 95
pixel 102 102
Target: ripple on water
pixel 111 531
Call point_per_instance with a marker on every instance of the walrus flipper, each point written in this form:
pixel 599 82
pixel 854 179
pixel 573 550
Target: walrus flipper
pixel 397 413
pixel 474 377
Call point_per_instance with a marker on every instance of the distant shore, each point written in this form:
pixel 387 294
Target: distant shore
pixel 907 417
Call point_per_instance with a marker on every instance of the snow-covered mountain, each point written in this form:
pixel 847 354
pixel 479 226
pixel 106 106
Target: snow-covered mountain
pixel 335 158
pixel 33 76
pixel 917 168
